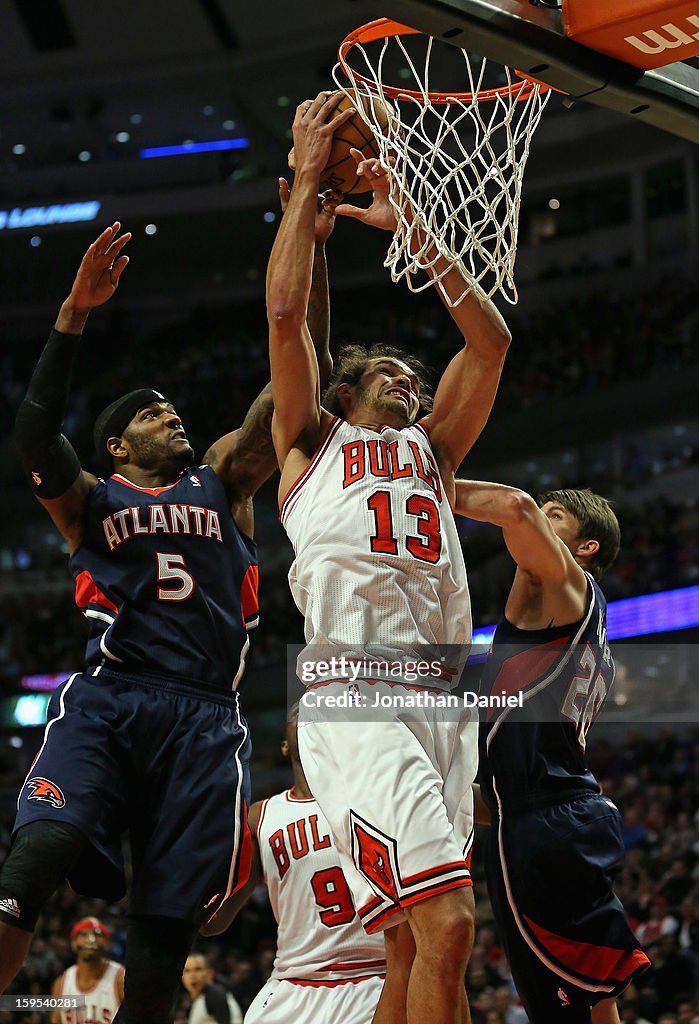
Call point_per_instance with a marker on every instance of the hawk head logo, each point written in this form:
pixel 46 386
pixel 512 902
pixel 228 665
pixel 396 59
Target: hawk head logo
pixel 47 792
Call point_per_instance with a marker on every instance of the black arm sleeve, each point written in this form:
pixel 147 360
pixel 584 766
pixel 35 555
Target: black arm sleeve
pixel 47 456
pixel 217 1004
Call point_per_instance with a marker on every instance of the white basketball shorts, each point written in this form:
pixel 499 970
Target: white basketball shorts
pixel 281 1001
pixel 396 790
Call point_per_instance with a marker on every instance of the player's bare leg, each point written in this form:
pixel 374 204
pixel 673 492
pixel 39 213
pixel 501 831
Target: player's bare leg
pixel 392 1007
pixel 443 928
pixel 465 1017
pixel 14 946
pixel 605 1012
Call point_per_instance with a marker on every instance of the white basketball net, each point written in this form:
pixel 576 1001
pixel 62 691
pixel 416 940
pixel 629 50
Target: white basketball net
pixel 457 165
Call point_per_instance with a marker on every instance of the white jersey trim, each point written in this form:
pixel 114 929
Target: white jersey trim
pixel 297 485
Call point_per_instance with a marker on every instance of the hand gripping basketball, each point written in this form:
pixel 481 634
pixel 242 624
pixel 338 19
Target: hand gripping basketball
pixel 341 172
pixel 314 126
pixel 381 213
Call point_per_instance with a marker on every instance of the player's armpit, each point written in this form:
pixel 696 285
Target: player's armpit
pixel 68 511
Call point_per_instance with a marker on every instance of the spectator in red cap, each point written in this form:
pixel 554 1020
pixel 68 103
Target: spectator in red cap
pixel 99 980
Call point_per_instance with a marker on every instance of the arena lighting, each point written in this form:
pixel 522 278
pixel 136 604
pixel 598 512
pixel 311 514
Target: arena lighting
pixel 58 213
pixel 194 147
pixel 27 711
pixel 45 682
pixel 634 616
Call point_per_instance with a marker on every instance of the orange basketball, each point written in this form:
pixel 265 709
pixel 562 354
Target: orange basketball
pixel 340 172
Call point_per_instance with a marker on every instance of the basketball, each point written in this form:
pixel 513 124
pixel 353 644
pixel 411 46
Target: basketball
pixel 340 172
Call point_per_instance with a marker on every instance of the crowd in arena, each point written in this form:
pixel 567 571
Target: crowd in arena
pixel 214 360
pixel 653 778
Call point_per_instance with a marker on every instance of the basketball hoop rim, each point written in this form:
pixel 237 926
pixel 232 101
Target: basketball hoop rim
pixel 386 28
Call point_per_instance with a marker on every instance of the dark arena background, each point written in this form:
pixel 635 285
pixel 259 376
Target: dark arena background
pixel 105 113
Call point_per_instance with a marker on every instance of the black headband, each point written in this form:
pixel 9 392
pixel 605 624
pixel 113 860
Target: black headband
pixel 112 421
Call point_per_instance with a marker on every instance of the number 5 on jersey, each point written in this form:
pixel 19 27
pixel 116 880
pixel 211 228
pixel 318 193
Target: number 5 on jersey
pixel 171 568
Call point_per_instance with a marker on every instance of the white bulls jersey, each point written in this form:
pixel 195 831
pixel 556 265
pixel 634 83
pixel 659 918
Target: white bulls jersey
pixel 379 569
pixel 101 1001
pixel 319 936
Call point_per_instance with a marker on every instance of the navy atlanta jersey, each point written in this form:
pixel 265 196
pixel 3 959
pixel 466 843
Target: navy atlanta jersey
pixel 167 580
pixel 536 754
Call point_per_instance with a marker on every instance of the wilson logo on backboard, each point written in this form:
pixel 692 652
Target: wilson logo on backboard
pixel 647 35
pixel 670 37
pixel 45 791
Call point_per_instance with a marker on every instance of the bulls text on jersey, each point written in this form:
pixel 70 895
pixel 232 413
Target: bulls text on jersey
pixel 381 459
pixel 296 841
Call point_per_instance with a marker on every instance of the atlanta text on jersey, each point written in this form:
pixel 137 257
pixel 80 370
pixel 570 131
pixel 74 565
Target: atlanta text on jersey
pixel 191 519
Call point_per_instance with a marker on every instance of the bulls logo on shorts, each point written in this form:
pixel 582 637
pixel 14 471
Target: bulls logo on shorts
pixel 45 791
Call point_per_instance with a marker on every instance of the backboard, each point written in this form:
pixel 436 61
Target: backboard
pixel 531 38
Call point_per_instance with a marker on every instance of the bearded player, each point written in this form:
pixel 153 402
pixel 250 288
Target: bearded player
pixel 379 574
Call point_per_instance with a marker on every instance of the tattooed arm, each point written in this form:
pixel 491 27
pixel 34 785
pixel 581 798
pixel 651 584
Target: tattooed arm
pixel 318 313
pixel 245 458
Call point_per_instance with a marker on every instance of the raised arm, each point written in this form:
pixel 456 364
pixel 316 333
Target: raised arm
pixel 527 532
pixel 295 378
pixel 245 458
pixel 467 389
pixel 318 311
pixel 466 392
pixel 50 461
pixel 232 907
pixel 550 587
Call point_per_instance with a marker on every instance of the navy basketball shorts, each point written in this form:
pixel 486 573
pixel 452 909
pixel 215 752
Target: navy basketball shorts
pixel 566 934
pixel 165 763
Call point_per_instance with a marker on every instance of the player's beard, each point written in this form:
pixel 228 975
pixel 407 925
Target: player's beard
pixel 151 454
pixel 383 405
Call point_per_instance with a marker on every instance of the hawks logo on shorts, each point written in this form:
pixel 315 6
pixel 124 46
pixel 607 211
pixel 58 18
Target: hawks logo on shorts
pixel 45 791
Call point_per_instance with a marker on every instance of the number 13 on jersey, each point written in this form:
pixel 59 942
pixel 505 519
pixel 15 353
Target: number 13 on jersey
pixel 426 545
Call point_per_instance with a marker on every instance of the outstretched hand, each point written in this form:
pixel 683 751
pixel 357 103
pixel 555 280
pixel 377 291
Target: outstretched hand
pixel 313 129
pixel 380 214
pixel 325 214
pixel 99 272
